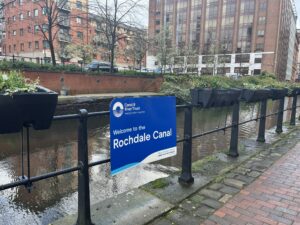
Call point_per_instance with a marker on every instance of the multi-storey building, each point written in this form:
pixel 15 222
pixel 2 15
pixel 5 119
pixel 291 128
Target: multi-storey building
pixel 238 36
pixel 297 56
pixel 23 38
pixel 23 21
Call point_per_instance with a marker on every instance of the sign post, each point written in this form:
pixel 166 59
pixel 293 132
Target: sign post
pixel 142 130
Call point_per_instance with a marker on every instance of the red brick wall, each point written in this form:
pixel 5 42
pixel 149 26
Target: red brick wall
pixel 80 83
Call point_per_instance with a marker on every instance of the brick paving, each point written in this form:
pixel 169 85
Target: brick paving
pixel 274 198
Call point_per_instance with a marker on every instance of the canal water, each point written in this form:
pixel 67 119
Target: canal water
pixel 56 149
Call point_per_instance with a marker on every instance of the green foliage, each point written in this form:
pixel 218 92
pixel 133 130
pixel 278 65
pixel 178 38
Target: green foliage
pixel 134 72
pixel 221 82
pixel 159 183
pixel 85 52
pixel 22 65
pixel 180 85
pixel 14 82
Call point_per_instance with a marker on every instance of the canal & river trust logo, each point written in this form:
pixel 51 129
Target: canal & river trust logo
pixel 118 109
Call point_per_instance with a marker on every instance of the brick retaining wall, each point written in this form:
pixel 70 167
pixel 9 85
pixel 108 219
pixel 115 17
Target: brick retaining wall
pixel 81 83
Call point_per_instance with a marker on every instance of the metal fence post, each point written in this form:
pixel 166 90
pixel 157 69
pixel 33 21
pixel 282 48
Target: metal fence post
pixel 294 108
pixel 280 116
pixel 234 141
pixel 186 177
pixel 84 210
pixel 262 121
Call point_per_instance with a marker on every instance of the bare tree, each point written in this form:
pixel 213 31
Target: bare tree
pixel 137 48
pixel 84 52
pixel 162 46
pixel 49 26
pixel 115 14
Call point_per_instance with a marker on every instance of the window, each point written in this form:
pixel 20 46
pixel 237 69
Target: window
pixel 45 27
pixel 29 29
pixel 243 58
pixel 44 11
pixel 21 2
pixel 36 12
pixel 21 32
pixel 260 33
pixel 9 48
pixel 29 45
pixel 36 29
pixel 15 47
pixel 256 72
pixel 257 60
pixel 28 13
pixel 78 20
pixel 263 6
pixel 36 44
pixel 241 70
pixel 21 16
pixel 78 4
pixel 224 59
pixel 157 22
pixel 262 20
pixel 22 47
pixel 208 59
pixel 259 47
pixel 14 32
pixel 80 35
pixel 14 18
pixel 45 44
pixel 247 7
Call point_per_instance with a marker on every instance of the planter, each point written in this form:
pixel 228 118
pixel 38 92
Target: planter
pixel 201 97
pixel 250 95
pixel 20 109
pixel 207 98
pixel 278 93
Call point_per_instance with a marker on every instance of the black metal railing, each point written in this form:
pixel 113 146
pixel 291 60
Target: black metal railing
pixel 186 177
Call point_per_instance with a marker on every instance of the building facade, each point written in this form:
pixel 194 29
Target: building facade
pixel 73 24
pixel 237 36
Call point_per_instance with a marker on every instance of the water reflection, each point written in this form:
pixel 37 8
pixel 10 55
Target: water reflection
pixel 57 149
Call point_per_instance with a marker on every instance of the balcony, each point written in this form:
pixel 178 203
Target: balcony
pixel 64 5
pixel 64 38
pixel 64 22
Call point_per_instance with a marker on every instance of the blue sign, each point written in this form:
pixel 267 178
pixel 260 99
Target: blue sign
pixel 142 130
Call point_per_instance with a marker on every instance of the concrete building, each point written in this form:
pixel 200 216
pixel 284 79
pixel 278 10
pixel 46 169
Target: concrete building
pixel 230 37
pixel 23 39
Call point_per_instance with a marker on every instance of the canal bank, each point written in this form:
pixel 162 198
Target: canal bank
pixel 217 179
pixel 92 102
pixel 56 149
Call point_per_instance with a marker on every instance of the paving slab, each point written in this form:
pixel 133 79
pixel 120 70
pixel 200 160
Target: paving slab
pixel 174 192
pixel 135 207
pixel 273 193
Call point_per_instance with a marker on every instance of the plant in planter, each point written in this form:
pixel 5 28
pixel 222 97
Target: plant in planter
pixel 258 88
pixel 215 91
pixel 252 91
pixel 293 89
pixel 24 103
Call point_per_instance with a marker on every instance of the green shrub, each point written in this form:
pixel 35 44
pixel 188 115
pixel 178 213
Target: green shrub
pixel 14 82
pixel 21 65
pixel 180 85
